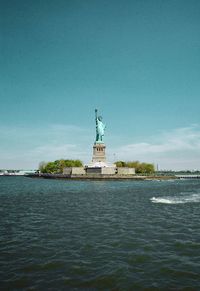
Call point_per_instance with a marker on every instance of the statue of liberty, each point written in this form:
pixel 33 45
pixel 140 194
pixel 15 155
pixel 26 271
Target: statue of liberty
pixel 100 128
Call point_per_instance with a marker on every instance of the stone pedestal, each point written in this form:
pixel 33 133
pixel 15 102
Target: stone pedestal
pixel 99 163
pixel 99 154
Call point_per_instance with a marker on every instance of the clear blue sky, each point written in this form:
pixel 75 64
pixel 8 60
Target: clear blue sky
pixel 138 61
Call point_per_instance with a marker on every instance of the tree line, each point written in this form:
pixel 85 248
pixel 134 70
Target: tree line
pixel 57 166
pixel 140 168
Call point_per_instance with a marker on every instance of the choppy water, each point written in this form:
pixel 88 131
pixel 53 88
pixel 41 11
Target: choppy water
pixel 90 235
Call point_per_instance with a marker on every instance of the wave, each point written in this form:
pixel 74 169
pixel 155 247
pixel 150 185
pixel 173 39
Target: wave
pixel 188 198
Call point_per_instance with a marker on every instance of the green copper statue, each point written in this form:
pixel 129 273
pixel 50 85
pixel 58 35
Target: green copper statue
pixel 100 128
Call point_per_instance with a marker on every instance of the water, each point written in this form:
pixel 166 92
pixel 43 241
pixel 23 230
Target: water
pixel 106 235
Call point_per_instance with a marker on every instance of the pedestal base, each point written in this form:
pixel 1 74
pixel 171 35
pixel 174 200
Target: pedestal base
pixel 99 159
pixel 99 154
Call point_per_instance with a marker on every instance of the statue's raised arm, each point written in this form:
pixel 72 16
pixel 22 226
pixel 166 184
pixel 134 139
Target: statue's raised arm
pixel 100 128
pixel 96 116
pixel 96 113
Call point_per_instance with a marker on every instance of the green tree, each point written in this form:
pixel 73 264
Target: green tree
pixel 57 166
pixel 140 168
pixel 50 168
pixel 120 164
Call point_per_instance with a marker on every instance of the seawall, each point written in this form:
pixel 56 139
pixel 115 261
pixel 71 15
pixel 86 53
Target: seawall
pixel 100 177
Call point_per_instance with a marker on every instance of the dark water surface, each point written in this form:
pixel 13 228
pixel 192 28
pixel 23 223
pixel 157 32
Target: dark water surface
pixel 99 235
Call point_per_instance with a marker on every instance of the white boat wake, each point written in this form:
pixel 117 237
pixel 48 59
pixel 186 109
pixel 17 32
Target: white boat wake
pixel 187 198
